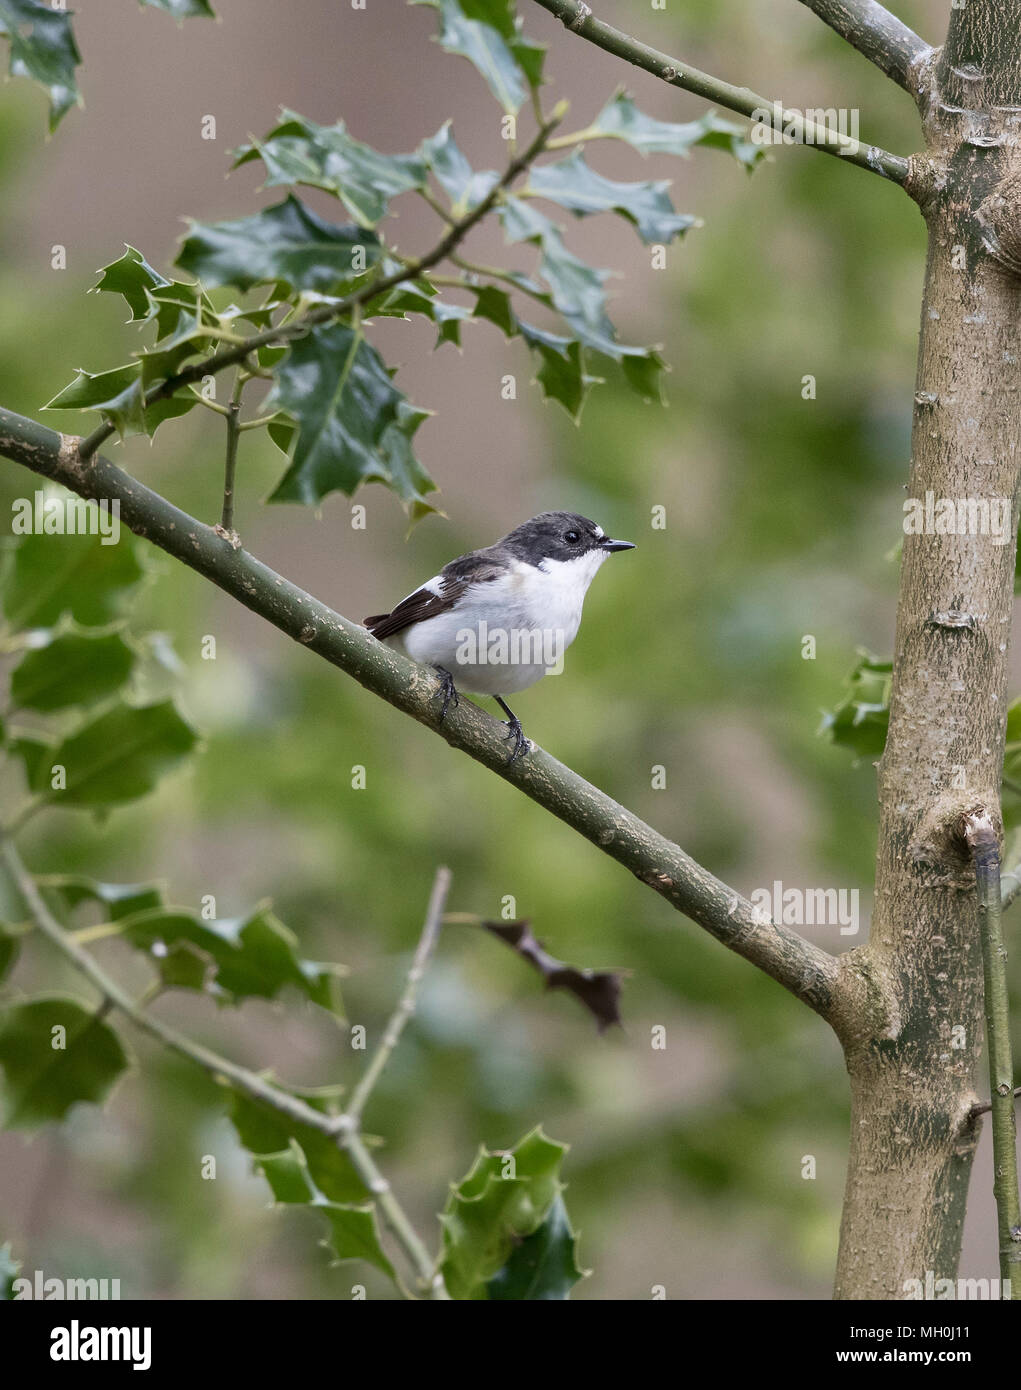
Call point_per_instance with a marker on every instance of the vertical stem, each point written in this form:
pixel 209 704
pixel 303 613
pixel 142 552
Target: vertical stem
pixel 982 839
pixel 406 1007
pixel 233 435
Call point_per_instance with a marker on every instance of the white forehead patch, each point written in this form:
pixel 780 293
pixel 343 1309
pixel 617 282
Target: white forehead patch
pixel 600 533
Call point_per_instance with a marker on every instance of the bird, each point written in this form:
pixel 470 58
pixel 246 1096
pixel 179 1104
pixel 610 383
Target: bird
pixel 503 616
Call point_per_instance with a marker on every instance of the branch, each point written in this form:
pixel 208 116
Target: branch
pixel 326 313
pixel 231 463
pixel 406 1007
pixel 980 833
pixel 578 18
pixel 804 969
pixel 878 35
pixel 342 1129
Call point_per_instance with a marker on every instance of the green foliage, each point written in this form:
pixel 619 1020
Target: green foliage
pixel 506 1198
pixel 334 384
pixel 300 151
pixel 488 35
pixel 43 47
pixel 574 185
pixel 861 720
pixel 117 757
pixel 287 242
pixel 53 575
pixel 543 1266
pixel 74 668
pixel 182 9
pixel 9 1267
pixel 54 1053
pixel 251 957
pixel 620 119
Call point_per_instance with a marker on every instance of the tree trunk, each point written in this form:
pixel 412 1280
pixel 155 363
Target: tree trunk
pixel 913 1063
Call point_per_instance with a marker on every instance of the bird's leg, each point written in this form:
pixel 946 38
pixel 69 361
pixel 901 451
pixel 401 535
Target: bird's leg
pixel 448 690
pixel 514 731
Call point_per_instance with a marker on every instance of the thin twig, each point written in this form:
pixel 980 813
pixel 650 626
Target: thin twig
pixel 327 313
pixel 980 833
pixel 406 1007
pixel 983 1107
pixel 579 19
pixel 231 463
pixel 342 1129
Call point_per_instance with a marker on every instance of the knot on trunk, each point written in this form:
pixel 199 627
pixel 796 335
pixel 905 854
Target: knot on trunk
pixel 999 220
pixel 939 850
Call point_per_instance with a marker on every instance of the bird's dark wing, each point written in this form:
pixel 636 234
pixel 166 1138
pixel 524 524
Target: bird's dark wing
pixel 477 567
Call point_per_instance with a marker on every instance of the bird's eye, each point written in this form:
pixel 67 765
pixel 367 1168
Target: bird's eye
pixel 571 537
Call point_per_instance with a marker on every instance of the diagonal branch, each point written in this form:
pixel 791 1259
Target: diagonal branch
pixel 342 1129
pixel 879 36
pixel 579 19
pixel 807 971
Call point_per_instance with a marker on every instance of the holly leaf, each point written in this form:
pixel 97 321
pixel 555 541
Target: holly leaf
pixel 130 276
pixel 254 956
pixel 287 242
pixel 118 395
pixel 55 1053
pixel 43 47
pixel 543 1266
pixel 354 1235
pixel 182 9
pixel 578 294
pixel 462 185
pixel 298 151
pixel 118 900
pixel 73 669
pixel 404 474
pixel 264 1132
pixel 77 574
pixel 620 119
pixel 335 388
pixel 561 373
pixel 505 1197
pixel 574 185
pixel 469 31
pixel 860 722
pixel 521 221
pixel 118 757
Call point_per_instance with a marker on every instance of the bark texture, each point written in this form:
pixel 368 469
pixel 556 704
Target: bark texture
pixel 912 1136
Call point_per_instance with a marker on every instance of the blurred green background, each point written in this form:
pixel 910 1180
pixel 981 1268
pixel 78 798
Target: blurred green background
pixel 686 1163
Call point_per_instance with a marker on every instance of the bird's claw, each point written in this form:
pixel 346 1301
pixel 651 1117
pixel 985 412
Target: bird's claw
pixel 521 744
pixel 448 690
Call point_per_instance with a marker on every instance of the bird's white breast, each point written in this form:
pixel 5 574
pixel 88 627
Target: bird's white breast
pixel 545 602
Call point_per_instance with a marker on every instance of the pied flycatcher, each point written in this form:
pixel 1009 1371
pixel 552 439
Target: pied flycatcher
pixel 501 618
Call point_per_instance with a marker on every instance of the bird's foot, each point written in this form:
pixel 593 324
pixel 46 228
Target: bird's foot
pixel 448 690
pixel 521 744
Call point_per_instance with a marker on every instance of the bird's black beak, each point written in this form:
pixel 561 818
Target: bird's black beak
pixel 617 545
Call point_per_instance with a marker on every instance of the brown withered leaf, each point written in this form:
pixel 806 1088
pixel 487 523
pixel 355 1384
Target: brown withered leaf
pixel 598 990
